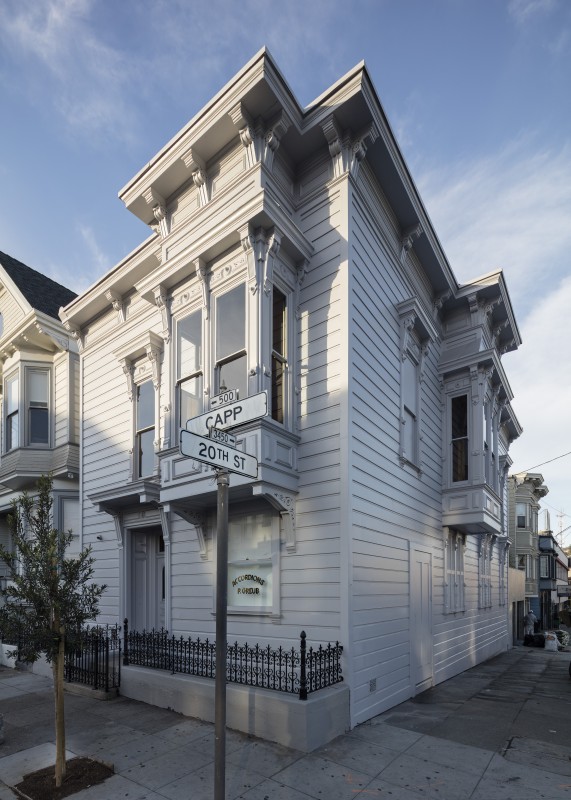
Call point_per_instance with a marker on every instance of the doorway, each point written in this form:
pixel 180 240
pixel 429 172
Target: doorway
pixel 147 580
pixel 421 620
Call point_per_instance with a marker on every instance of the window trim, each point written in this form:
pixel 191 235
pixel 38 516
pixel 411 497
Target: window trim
pixel 199 373
pixel 452 439
pixel 8 444
pixel 454 573
pixel 273 610
pixel 21 373
pixel 418 332
pixel 29 370
pixel 140 431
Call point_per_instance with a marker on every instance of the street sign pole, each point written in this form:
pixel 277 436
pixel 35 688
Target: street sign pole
pixel 222 480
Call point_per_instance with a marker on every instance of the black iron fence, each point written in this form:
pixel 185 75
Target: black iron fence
pixel 93 657
pixel 297 671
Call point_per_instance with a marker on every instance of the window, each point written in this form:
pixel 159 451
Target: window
pixel 409 420
pixel 544 566
pixel 252 562
pixel 279 357
pixel 145 429
pixel 12 417
pixel 521 514
pixel 502 580
pixel 189 368
pixel 485 570
pixel 454 581
pixel 231 361
pixel 459 415
pixel 37 402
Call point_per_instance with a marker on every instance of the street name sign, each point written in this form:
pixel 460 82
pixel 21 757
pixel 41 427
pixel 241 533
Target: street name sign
pixel 564 591
pixel 217 455
pixel 231 415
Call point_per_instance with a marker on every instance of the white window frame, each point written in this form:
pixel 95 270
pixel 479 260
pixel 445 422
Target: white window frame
pixel 502 574
pixel 485 555
pixel 454 581
pixel 248 567
pixel 218 364
pixel 30 370
pixel 9 445
pixel 200 373
pixel 140 361
pixel 450 399
pixel 22 374
pixel 417 333
pixel 138 432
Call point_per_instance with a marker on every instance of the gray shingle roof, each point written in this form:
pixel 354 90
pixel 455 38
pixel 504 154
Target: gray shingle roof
pixel 41 292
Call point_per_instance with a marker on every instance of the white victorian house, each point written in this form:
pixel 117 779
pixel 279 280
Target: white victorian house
pixel 39 373
pixel 290 252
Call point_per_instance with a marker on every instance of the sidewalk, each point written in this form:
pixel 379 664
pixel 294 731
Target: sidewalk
pixel 501 730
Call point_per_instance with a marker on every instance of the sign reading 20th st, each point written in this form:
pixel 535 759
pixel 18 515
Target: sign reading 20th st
pixel 217 455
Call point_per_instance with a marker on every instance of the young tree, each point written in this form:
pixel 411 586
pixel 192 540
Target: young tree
pixel 48 596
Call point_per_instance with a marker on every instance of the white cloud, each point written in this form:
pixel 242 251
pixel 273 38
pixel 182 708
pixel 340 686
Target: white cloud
pixel 510 210
pixel 101 262
pixel 84 78
pixel 523 11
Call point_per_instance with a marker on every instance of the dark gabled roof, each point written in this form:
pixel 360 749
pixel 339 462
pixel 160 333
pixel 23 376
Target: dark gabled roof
pixel 41 292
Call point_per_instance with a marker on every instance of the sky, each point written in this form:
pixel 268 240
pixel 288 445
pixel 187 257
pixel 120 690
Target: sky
pixel 477 93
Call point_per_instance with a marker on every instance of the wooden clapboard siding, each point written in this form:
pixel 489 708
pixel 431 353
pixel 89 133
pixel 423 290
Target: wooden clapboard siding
pixel 392 506
pixel 12 311
pixel 310 577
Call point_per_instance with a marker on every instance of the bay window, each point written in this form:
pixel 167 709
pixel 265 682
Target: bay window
pixel 189 367
pixel 231 366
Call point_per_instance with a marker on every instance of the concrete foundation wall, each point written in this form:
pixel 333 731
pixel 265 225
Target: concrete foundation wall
pixel 275 716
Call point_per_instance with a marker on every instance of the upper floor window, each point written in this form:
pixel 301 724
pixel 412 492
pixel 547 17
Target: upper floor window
pixel 279 354
pixel 145 429
pixel 12 413
pixel 231 365
pixel 37 402
pixel 27 408
pixel 459 422
pixel 521 515
pixel 410 411
pixel 189 367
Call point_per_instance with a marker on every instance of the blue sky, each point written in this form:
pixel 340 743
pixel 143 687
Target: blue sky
pixel 477 93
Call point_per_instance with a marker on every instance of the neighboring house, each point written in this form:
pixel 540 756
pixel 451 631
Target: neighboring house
pixel 40 394
pixel 526 489
pixel 553 577
pixel 291 252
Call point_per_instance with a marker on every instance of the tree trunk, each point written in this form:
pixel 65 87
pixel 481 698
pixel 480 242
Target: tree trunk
pixel 57 671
